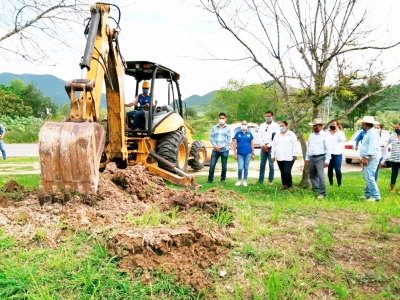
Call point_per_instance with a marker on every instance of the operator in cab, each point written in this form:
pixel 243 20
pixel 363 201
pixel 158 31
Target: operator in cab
pixel 142 101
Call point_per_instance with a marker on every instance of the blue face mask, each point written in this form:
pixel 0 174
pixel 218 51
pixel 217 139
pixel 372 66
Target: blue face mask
pixel 282 129
pixel 397 131
pixel 145 91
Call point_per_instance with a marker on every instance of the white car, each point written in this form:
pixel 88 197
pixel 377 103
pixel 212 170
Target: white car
pixel 350 154
pixel 251 127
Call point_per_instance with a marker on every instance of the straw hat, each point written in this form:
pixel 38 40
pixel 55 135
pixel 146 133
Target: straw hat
pixel 316 121
pixel 367 119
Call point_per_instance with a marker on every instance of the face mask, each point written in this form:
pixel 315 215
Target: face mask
pixel 282 129
pixel 222 121
pixel 145 91
pixel 243 127
pixel 268 119
pixel 332 127
pixel 397 131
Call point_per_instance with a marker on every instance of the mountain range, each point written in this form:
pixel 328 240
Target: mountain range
pixel 54 87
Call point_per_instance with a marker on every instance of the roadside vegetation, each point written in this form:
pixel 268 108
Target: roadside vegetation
pixel 287 246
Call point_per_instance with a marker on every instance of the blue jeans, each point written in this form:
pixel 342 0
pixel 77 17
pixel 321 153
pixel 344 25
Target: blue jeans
pixel 243 164
pixel 264 157
pixel 371 189
pixel 3 150
pixel 215 155
pixel 335 163
pixel 377 169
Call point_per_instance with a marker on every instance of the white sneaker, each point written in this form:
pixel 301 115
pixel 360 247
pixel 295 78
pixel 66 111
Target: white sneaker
pixel 239 182
pixel 244 183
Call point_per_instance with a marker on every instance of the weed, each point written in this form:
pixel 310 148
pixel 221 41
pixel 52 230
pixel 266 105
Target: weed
pixel 40 235
pixel 222 216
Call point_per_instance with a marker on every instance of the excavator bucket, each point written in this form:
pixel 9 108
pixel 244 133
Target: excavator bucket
pixel 70 156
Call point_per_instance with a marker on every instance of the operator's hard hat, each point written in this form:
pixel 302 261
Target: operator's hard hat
pixel 145 85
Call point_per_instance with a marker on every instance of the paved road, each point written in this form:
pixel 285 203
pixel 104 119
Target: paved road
pixel 14 150
pixel 17 150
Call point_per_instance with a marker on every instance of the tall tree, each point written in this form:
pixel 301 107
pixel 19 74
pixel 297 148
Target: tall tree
pixel 33 97
pixel 12 105
pixel 300 43
pixel 244 102
pixel 31 29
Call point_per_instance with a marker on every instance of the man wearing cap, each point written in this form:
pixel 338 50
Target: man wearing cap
pixel 369 158
pixel 318 156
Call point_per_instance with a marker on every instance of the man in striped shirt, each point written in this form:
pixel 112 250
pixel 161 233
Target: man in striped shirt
pixel 220 138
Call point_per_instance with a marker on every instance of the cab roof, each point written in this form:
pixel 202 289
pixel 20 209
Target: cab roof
pixel 143 70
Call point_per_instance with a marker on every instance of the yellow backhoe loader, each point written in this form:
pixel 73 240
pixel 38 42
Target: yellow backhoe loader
pixel 73 151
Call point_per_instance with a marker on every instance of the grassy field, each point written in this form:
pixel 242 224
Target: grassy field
pixel 288 246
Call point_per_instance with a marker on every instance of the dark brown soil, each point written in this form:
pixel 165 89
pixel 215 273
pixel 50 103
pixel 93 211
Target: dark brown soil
pixel 183 246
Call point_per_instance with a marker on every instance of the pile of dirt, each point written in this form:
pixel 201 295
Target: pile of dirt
pixel 147 225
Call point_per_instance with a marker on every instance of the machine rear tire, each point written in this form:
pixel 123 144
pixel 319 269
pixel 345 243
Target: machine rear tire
pixel 348 160
pixel 199 152
pixel 174 148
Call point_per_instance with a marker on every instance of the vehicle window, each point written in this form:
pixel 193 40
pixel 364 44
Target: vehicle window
pixel 237 129
pixel 253 129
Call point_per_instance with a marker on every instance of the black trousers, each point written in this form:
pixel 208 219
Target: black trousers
pixel 285 166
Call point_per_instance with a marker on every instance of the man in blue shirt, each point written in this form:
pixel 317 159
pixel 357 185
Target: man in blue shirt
pixel 2 134
pixel 318 156
pixel 369 158
pixel 220 138
pixel 142 101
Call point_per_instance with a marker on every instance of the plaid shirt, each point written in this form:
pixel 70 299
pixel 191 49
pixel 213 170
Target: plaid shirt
pixel 221 137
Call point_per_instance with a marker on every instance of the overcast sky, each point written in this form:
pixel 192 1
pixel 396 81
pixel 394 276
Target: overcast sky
pixel 179 36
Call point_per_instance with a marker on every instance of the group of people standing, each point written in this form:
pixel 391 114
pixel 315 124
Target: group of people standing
pixel 324 150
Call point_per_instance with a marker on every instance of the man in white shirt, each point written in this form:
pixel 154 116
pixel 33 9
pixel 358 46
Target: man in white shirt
pixel 383 147
pixel 318 156
pixel 266 133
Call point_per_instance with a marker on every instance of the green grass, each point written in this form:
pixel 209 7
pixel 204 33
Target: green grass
pixel 288 245
pixel 21 160
pixel 43 273
pixel 29 181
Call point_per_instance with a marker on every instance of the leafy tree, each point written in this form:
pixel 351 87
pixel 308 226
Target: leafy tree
pixel 350 88
pixel 241 102
pixel 191 112
pixel 33 97
pixel 12 105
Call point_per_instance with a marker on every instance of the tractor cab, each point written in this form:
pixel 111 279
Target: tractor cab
pixel 164 95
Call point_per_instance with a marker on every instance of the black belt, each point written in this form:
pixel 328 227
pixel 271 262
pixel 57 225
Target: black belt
pixel 317 155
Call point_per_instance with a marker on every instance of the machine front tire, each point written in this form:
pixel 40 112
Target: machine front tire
pixel 174 148
pixel 199 153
